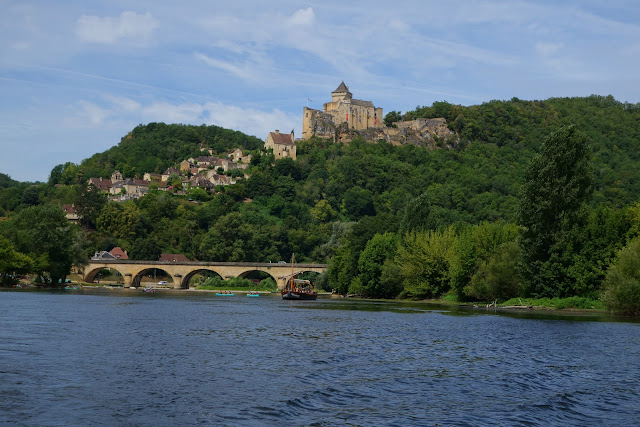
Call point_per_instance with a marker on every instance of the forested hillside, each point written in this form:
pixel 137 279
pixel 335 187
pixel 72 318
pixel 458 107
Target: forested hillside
pixel 156 146
pixel 390 220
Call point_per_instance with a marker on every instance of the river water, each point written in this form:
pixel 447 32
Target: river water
pixel 125 358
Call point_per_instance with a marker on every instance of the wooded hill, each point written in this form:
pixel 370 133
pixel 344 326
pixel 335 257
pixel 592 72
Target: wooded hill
pixel 156 146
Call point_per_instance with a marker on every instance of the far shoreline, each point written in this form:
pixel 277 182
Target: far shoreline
pixel 475 307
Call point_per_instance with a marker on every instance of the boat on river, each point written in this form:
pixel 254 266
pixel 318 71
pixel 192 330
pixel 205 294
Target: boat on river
pixel 253 294
pixel 298 289
pixel 225 294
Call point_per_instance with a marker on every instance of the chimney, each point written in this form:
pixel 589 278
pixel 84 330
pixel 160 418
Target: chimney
pixel 277 132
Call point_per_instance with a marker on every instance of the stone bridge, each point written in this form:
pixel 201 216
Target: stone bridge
pixel 182 272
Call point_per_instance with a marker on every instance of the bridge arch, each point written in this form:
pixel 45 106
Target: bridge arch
pixel 136 279
pixel 184 284
pixel 247 273
pixel 91 275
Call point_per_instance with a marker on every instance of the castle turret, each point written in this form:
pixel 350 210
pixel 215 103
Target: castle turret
pixel 342 92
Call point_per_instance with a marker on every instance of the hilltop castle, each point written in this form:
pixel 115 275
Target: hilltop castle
pixel 345 117
pixel 343 109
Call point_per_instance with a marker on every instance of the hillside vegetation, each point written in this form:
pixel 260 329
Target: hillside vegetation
pixel 390 220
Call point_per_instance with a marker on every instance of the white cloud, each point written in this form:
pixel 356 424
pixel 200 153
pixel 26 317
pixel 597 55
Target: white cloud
pixel 249 120
pixel 107 30
pixel 302 17
pixel 92 112
pixel 126 104
pixel 117 109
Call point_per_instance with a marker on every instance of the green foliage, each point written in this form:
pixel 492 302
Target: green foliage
pixel 424 259
pixel 343 268
pixel 119 220
pixel 497 277
pixel 476 244
pixel 43 233
pixel 558 183
pixel 144 249
pixel 418 215
pixel 199 194
pixel 156 146
pixel 30 196
pixel 13 263
pixel 6 181
pixel 357 202
pixel 369 280
pixel 391 118
pixel 622 284
pixel 575 302
pixel 88 203
pixel 67 174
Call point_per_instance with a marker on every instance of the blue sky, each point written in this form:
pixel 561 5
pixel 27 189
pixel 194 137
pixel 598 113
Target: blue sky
pixel 76 76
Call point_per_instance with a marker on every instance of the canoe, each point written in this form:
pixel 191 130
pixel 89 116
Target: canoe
pixel 224 295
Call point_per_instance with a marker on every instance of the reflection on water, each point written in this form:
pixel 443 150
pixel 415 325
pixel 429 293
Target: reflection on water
pixel 105 357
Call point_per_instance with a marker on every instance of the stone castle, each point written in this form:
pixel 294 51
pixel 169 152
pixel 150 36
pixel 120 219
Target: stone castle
pixel 345 118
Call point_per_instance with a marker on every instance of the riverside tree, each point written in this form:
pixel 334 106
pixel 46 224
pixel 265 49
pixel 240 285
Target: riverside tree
pixel 44 234
pixel 552 212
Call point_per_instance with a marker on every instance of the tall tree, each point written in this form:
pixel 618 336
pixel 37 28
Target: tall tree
pixel 89 202
pixel 44 233
pixel 552 211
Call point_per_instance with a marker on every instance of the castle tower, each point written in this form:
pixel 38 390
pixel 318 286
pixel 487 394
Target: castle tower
pixel 341 93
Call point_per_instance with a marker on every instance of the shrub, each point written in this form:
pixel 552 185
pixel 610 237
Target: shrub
pixel 622 284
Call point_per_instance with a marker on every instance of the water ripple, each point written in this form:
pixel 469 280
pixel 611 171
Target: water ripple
pixel 78 359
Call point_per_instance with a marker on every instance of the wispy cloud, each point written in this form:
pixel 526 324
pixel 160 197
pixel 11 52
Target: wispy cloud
pixel 106 30
pixel 117 109
pixel 245 71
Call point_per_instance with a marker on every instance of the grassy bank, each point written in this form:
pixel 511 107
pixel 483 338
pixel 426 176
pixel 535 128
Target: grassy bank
pixel 578 303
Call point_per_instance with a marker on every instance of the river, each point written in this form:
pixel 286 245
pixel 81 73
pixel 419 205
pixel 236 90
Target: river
pixel 123 358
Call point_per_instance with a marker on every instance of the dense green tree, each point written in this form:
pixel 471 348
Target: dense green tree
pixel 357 202
pixel 43 233
pixel 418 215
pixel 391 117
pixel 475 245
pixel 424 259
pixel 119 220
pixel 145 249
pixel 322 211
pixel 368 282
pixel 6 181
pixel 497 277
pixel 622 284
pixel 88 203
pixel 558 184
pixel 30 196
pixel 13 263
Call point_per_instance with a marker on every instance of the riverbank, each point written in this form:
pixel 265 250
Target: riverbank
pixel 566 305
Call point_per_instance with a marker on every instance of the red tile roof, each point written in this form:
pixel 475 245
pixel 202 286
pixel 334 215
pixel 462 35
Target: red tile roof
pixel 118 253
pixel 173 258
pixel 69 209
pixel 102 184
